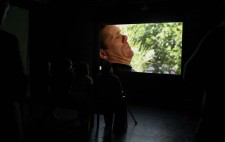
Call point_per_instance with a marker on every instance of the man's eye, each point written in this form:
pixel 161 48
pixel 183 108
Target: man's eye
pixel 117 37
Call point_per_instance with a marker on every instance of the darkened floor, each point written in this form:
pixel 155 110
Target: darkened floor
pixel 153 125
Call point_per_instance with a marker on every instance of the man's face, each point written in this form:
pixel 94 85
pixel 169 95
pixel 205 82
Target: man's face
pixel 117 48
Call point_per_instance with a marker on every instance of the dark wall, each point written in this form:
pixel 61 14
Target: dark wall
pixel 43 44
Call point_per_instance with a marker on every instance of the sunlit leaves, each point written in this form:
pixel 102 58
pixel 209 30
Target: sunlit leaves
pixel 157 46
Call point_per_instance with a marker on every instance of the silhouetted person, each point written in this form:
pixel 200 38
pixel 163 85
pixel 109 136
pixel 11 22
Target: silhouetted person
pixel 13 83
pixel 81 92
pixel 108 96
pixel 205 70
pixel 60 84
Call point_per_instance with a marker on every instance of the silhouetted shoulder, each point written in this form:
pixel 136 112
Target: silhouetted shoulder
pixel 10 53
pixel 12 69
pixel 5 37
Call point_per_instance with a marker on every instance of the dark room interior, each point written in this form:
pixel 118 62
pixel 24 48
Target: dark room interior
pixel 167 108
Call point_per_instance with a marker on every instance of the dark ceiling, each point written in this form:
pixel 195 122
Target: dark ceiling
pixel 173 4
pixel 124 6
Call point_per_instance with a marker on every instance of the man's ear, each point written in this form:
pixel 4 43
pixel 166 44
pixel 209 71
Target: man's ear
pixel 103 54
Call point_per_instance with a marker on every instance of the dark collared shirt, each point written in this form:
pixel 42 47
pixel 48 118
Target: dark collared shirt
pixel 122 68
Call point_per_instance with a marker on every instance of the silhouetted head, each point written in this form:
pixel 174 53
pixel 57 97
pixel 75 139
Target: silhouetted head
pixel 61 66
pixel 67 64
pixel 83 68
pixel 4 6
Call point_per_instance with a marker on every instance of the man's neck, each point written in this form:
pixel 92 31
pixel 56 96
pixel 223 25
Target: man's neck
pixel 125 62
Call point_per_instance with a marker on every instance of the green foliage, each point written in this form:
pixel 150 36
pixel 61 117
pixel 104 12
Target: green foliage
pixel 157 46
